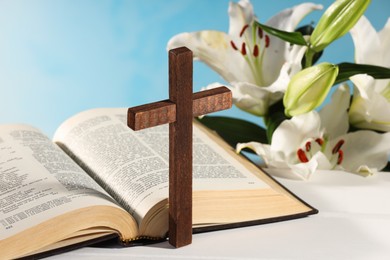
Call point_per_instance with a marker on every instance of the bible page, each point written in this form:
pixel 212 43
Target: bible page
pixel 133 166
pixel 39 181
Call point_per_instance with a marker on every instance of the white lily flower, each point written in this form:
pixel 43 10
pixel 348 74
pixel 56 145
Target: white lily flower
pixel 371 101
pixel 370 108
pixel 248 58
pixel 320 141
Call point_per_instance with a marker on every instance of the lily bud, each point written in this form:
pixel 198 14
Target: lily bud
pixel 309 88
pixel 337 20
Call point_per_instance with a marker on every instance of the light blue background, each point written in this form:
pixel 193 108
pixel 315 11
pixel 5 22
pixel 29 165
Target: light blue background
pixel 58 58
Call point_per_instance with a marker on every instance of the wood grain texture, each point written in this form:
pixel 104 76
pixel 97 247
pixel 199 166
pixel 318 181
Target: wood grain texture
pixel 179 111
pixel 208 101
pixel 180 148
pixel 164 112
pixel 150 115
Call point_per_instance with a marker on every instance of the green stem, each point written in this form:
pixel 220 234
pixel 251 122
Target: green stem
pixel 309 57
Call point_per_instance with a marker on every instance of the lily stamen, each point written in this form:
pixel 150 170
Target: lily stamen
pixel 302 156
pixel 233 46
pixel 340 157
pixel 308 146
pixel 267 41
pixel 243 29
pixel 260 32
pixel 338 146
pixel 243 49
pixel 320 141
pixel 256 51
pixel 308 150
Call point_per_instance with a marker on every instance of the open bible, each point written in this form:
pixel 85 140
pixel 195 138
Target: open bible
pixel 97 179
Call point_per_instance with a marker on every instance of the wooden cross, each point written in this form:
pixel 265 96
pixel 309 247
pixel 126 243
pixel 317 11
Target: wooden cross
pixel 179 112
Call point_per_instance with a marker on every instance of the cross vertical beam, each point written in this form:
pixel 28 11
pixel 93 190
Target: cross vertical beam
pixel 180 148
pixel 178 111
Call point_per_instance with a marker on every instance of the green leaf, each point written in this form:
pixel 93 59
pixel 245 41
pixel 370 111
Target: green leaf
pixel 347 70
pixel 387 168
pixel 275 117
pixel 305 29
pixel 273 122
pixel 234 130
pixel 291 37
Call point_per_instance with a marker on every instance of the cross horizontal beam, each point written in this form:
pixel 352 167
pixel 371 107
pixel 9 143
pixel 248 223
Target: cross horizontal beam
pixel 179 111
pixel 163 112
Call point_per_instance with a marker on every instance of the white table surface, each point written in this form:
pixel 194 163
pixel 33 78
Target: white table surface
pixel 353 223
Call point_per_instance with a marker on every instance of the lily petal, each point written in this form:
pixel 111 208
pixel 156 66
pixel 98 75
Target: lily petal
pixel 283 168
pixel 257 99
pixel 371 47
pixel 289 19
pixel 384 37
pixel 305 170
pixel 294 58
pixel 250 97
pixel 271 158
pixel 366 152
pixel 365 40
pixel 368 106
pixel 286 20
pixel 334 115
pixel 240 14
pixel 261 149
pixel 213 48
pixel 291 134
